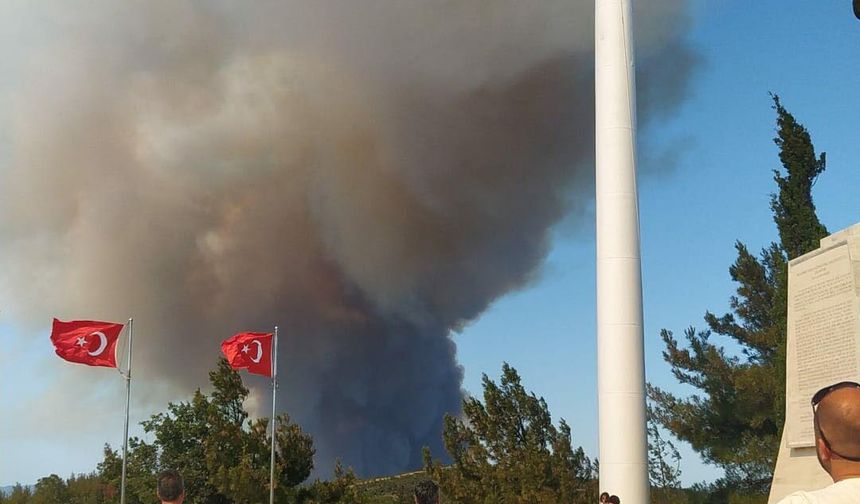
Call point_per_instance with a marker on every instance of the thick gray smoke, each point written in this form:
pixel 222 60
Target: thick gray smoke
pixel 370 175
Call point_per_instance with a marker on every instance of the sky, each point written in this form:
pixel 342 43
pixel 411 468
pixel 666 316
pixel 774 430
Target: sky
pixel 691 215
pixel 705 180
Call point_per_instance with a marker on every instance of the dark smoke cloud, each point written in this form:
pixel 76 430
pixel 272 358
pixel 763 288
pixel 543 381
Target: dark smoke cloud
pixel 369 175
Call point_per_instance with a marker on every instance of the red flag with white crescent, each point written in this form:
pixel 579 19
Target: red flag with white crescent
pixel 87 342
pixel 251 351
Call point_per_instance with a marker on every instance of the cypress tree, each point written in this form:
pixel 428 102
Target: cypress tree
pixel 735 418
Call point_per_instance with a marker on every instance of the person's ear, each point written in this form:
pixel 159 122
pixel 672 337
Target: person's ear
pixel 824 453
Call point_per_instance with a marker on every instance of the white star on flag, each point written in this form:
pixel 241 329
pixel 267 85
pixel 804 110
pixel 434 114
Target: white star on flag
pixel 245 349
pixel 82 342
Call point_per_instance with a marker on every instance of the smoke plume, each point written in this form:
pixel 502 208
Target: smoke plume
pixel 368 174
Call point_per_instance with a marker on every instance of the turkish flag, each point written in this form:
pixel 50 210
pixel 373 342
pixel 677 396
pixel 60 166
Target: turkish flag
pixel 87 342
pixel 251 351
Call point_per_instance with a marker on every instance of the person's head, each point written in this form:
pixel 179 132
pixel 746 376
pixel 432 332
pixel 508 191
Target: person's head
pixel 613 499
pixel 836 418
pixel 171 488
pixel 604 497
pixel 426 492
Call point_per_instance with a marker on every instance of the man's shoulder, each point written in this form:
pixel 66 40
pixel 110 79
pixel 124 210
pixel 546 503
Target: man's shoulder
pixel 844 492
pixel 796 498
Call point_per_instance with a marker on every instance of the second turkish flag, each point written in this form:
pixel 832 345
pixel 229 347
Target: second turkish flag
pixel 251 351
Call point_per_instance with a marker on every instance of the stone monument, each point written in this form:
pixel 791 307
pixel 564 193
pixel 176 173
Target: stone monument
pixel 822 348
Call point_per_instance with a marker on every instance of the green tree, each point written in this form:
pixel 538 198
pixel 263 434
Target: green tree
pixel 140 473
pixel 181 435
pixel 735 419
pixel 85 489
pixel 238 451
pixel 340 490
pixel 222 455
pixel 50 490
pixel 664 465
pixel 19 495
pixel 507 449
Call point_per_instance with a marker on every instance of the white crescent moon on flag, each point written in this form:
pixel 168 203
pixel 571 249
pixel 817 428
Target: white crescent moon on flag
pixel 102 343
pixel 259 351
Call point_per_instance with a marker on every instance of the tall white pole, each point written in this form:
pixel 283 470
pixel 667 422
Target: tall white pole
pixel 127 403
pixel 274 438
pixel 620 355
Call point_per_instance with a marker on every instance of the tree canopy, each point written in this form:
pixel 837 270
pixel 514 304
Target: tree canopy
pixel 221 453
pixel 735 418
pixel 507 449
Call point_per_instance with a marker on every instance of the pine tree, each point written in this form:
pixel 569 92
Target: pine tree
pixel 664 465
pixel 508 450
pixel 735 419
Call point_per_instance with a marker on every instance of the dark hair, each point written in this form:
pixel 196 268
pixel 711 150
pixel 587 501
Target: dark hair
pixel 170 486
pixel 604 494
pixel 426 492
pixel 614 499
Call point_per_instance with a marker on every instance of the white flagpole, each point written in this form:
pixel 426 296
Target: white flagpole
pixel 274 439
pixel 127 402
pixel 623 444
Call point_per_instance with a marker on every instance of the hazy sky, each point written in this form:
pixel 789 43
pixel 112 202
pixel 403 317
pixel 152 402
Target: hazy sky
pixel 716 192
pixel 706 164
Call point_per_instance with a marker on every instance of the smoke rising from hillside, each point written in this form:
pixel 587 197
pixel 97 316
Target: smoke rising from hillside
pixel 369 175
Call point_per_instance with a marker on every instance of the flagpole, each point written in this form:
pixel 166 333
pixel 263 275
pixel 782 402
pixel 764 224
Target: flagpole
pixel 274 389
pixel 127 402
pixel 622 437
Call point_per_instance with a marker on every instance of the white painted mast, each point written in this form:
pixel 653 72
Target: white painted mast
pixel 127 376
pixel 620 355
pixel 274 416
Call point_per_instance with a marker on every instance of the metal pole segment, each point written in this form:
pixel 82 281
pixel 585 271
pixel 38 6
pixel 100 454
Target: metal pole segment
pixel 274 439
pixel 127 403
pixel 620 337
